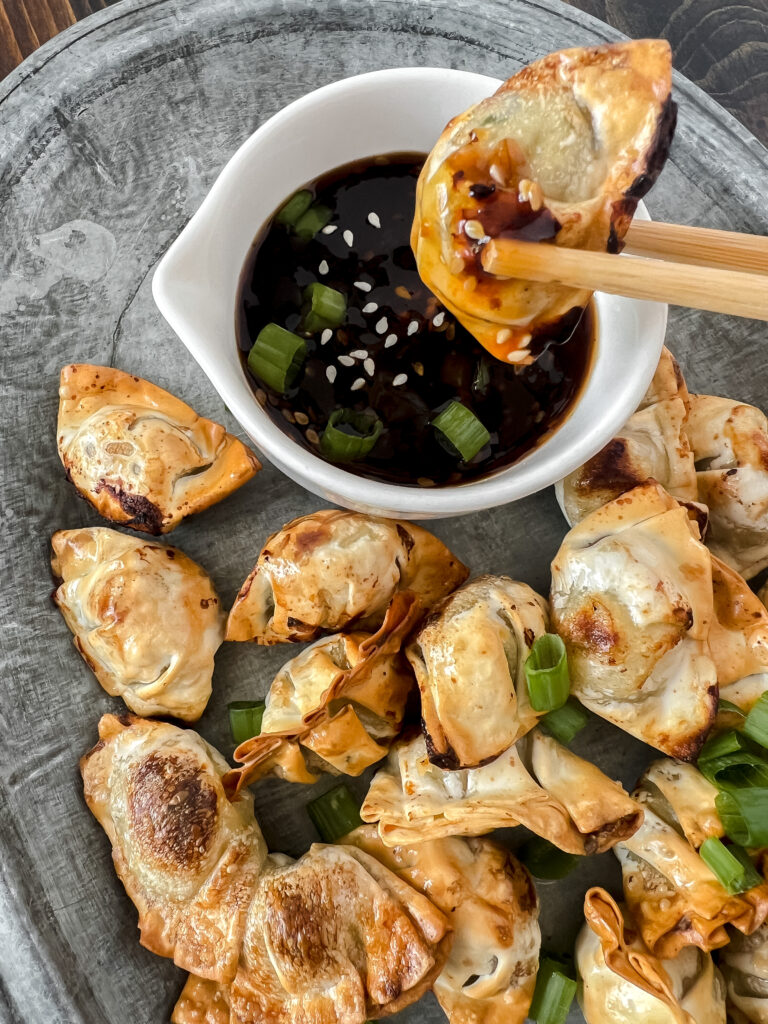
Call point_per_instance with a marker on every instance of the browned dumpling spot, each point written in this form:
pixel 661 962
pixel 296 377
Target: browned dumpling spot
pixel 653 444
pixel 145 618
pixel 188 857
pixel 561 153
pixel 469 659
pixel 139 455
pixel 623 982
pixel 331 570
pixel 491 904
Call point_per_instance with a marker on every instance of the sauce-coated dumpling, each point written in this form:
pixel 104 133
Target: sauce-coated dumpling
pixel 139 455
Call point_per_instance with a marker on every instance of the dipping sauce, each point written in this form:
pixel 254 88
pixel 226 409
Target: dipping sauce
pixel 397 356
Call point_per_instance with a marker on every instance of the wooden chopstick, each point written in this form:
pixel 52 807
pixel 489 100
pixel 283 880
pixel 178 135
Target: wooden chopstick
pixel 704 247
pixel 713 288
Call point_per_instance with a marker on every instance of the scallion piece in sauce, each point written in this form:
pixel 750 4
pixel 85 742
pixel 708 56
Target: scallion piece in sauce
pixel 744 815
pixel 553 994
pixel 316 217
pixel 245 719
pixel 730 865
pixel 334 814
pixel 564 723
pixel 544 860
pixel 546 671
pixel 350 435
pixel 295 208
pixel 277 357
pixel 756 724
pixel 463 431
pixel 323 307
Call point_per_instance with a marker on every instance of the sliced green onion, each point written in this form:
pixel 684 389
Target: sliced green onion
pixel 729 707
pixel 277 357
pixel 744 815
pixel 731 866
pixel 756 724
pixel 245 719
pixel 316 217
pixel 565 722
pixel 722 744
pixel 544 860
pixel 546 672
pixel 463 431
pixel 323 307
pixel 295 208
pixel 334 814
pixel 350 435
pixel 553 994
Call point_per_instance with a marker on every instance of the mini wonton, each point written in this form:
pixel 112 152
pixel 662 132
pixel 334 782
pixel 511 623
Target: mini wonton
pixel 330 570
pixel 340 703
pixel 139 455
pixel 632 599
pixel 334 938
pixel 744 963
pixel 652 445
pixel 145 618
pixel 469 659
pixel 490 902
pixel 622 983
pixel 537 783
pixel 562 153
pixel 730 445
pixel 674 897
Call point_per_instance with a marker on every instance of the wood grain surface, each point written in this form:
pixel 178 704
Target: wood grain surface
pixel 721 46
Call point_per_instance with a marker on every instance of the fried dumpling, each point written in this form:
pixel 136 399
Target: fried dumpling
pixel 188 857
pixel 623 983
pixel 331 570
pixel 139 455
pixel 675 899
pixel 335 707
pixel 652 444
pixel 469 659
pixel 145 618
pixel 491 904
pixel 632 598
pixel 730 445
pixel 537 783
pixel 562 153
pixel 744 963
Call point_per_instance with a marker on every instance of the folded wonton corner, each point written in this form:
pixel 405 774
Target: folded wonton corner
pixel 139 455
pixel 145 618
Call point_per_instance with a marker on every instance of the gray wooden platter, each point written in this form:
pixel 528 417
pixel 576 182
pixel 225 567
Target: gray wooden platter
pixel 110 136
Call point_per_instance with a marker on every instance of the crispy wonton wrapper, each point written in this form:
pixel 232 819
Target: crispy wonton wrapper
pixel 744 963
pixel 341 701
pixel 139 455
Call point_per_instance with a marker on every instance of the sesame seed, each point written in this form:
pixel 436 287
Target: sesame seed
pixel 369 366
pixel 503 335
pixel 323 268
pixel 401 378
pixel 413 326
pixel 402 291
pixel 359 383
pixel 348 237
pixel 373 219
pixel 301 418
pixel 359 353
pixel 330 228
pixel 424 481
pixel 363 286
pixel 370 307
pixel 497 174
pixel 474 229
pixel 419 368
pixel 330 373
pixel 518 355
pixel 312 436
pixel 261 396
pixel 288 415
pixel 326 336
pixel 346 360
pixel 390 340
pixel 438 320
pixel 381 325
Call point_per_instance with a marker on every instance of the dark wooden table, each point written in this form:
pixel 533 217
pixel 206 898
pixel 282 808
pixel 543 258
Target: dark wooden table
pixel 722 45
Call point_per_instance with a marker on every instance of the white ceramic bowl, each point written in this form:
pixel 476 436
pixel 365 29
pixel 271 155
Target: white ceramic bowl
pixel 195 286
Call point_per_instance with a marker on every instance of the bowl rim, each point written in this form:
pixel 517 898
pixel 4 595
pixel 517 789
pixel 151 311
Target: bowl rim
pixel 302 465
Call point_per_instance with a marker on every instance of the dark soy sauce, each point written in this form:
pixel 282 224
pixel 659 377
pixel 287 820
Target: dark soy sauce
pixel 395 327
